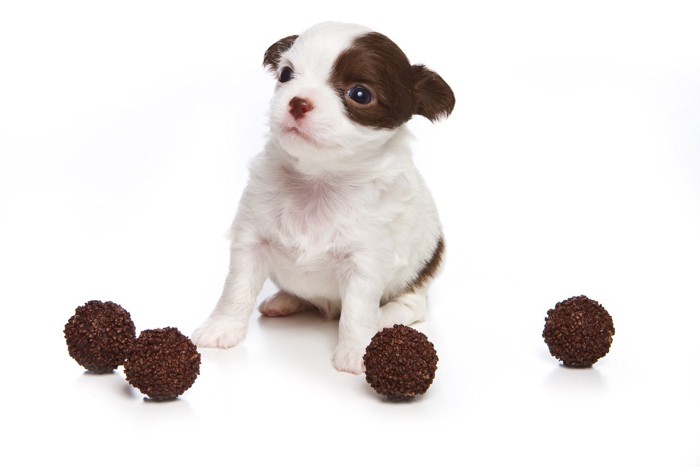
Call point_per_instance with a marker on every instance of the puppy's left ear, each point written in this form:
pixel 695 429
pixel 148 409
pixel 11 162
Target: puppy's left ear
pixel 434 97
pixel 273 54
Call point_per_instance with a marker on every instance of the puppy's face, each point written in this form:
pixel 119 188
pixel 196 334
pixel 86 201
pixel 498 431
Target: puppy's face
pixel 343 89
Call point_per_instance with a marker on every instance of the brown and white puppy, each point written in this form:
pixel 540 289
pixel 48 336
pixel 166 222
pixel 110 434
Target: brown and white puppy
pixel 335 212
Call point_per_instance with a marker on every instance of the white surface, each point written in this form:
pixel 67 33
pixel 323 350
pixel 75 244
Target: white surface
pixel 571 165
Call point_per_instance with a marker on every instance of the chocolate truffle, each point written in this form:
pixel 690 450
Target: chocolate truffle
pixel 99 335
pixel 578 331
pixel 400 363
pixel 162 363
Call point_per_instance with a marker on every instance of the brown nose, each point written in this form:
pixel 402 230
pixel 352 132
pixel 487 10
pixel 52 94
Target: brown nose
pixel 298 107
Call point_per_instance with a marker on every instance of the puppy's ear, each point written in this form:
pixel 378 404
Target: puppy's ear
pixel 275 51
pixel 434 98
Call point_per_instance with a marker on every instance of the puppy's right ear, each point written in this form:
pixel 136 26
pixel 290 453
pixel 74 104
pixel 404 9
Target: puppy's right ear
pixel 275 51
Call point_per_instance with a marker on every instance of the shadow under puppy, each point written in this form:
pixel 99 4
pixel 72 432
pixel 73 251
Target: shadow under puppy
pixel 335 212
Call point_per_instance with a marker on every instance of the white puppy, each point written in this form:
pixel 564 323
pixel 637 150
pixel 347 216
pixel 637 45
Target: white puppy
pixel 335 212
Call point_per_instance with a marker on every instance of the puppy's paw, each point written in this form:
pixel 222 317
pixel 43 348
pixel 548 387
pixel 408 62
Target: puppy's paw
pixel 348 358
pixel 283 304
pixel 219 332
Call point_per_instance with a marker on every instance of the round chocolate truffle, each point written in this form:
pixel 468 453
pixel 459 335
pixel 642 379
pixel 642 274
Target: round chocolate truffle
pixel 99 335
pixel 162 363
pixel 578 331
pixel 400 363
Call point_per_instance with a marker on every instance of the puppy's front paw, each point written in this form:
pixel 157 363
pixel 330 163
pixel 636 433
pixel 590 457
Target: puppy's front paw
pixel 348 358
pixel 219 332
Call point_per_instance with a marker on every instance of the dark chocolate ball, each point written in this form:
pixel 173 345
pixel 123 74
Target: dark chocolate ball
pixel 99 335
pixel 400 363
pixel 578 331
pixel 162 363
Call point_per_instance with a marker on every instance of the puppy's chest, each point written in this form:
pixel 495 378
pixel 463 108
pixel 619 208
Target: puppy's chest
pixel 316 220
pixel 312 209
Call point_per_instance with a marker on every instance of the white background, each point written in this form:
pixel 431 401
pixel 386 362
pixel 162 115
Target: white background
pixel 571 165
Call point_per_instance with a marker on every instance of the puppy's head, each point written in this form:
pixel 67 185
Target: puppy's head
pixel 343 89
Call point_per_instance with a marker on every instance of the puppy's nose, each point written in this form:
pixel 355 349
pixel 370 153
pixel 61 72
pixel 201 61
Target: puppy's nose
pixel 298 107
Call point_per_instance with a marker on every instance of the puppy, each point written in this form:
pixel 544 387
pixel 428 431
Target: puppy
pixel 335 212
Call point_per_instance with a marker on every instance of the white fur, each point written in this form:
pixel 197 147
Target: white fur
pixel 335 214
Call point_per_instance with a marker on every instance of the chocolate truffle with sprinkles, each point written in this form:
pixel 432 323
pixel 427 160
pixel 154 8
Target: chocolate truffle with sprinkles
pixel 400 363
pixel 99 335
pixel 578 331
pixel 163 363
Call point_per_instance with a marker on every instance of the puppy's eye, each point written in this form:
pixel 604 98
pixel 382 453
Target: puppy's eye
pixel 360 95
pixel 286 74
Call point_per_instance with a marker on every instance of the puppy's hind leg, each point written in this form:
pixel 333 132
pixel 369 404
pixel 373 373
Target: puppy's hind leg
pixel 284 303
pixel 405 309
pixel 411 306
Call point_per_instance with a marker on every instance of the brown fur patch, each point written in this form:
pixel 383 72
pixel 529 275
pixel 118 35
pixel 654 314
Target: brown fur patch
pixel 375 62
pixel 400 90
pixel 430 268
pixel 273 53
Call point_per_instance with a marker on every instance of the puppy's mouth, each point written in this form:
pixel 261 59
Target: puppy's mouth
pixel 298 133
